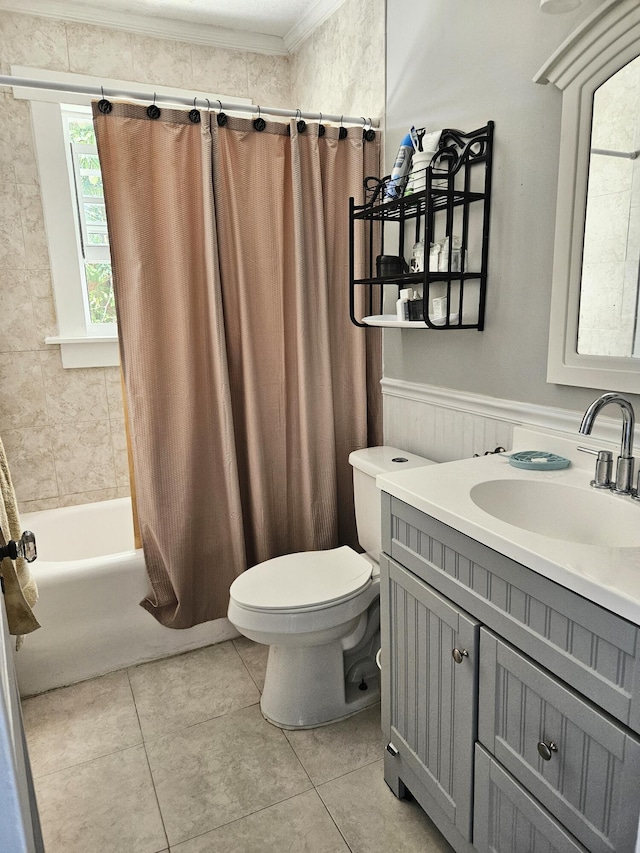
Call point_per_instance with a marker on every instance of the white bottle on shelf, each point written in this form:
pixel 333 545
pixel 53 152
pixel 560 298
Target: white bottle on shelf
pixel 402 305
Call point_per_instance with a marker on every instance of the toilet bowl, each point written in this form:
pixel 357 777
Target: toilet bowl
pixel 319 613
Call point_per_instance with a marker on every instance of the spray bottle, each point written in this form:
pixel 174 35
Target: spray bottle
pixel 400 171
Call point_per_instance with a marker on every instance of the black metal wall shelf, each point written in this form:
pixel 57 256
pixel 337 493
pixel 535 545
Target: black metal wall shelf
pixel 451 207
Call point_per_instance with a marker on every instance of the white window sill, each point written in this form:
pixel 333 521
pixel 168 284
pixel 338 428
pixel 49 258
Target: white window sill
pixel 87 352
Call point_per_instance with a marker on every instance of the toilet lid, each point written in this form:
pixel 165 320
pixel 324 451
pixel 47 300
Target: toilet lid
pixel 303 580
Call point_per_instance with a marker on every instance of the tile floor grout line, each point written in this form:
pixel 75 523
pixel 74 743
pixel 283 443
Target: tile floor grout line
pixel 146 756
pixel 326 807
pixel 87 761
pixel 347 772
pixel 251 814
pixel 199 723
pixel 233 642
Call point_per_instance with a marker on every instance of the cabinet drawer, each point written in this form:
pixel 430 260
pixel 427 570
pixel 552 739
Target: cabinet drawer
pixel 594 650
pixel 590 776
pixel 507 819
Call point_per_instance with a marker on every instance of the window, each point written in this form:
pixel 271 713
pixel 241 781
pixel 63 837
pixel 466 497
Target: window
pixel 91 220
pixel 76 224
pixel 74 211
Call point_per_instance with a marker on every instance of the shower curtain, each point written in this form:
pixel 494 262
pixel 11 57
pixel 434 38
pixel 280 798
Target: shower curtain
pixel 247 386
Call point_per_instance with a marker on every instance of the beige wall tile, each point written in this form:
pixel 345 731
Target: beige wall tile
pixel 219 71
pixel 24 157
pixel 39 505
pixel 83 456
pixel 17 322
pixel 76 395
pixel 36 251
pixel 114 392
pixel 30 457
pixel 34 41
pixel 12 251
pixel 99 51
pixel 22 398
pixel 95 496
pixel 269 80
pixel 7 172
pixel 119 444
pixel 161 61
pixel 44 312
pixel 40 284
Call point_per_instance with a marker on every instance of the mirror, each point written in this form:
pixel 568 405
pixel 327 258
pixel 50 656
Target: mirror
pixel 594 302
pixel 608 312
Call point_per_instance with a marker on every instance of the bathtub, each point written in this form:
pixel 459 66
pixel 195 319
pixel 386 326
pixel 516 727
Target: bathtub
pixel 91 580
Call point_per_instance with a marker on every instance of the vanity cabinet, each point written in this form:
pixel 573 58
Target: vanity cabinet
pixel 532 741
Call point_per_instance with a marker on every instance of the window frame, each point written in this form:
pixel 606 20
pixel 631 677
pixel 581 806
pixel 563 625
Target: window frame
pixel 81 344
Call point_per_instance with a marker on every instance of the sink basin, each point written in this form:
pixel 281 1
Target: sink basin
pixel 560 511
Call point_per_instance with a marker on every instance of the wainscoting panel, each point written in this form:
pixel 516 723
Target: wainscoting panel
pixel 443 424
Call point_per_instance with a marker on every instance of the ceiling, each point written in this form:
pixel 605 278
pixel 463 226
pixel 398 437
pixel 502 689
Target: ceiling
pixel 271 26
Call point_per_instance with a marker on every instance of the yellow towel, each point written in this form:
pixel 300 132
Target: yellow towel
pixel 20 591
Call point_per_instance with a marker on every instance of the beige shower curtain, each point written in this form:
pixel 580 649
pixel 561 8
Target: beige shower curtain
pixel 247 385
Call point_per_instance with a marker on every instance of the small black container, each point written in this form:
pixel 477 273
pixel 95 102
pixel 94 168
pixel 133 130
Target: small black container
pixel 387 265
pixel 416 309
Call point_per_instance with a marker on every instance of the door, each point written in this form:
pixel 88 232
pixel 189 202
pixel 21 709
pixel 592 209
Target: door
pixel 430 667
pixel 19 822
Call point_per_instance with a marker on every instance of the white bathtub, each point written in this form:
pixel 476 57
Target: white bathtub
pixel 91 581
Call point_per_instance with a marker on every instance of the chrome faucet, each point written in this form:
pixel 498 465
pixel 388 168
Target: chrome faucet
pixel 624 469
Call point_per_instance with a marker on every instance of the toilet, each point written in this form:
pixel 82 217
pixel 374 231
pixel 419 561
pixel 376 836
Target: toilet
pixel 319 613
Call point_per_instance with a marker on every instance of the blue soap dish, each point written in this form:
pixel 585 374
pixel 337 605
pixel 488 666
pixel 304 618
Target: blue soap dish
pixel 538 460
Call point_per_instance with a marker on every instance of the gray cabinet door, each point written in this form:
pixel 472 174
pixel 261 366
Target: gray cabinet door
pixel 578 762
pixel 430 700
pixel 507 819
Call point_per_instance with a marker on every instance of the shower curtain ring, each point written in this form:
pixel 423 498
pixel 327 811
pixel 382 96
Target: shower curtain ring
pixel 152 110
pixel 369 133
pixel 321 128
pixel 104 105
pixel 342 133
pixel 300 122
pixel 194 114
pixel 221 118
pixel 259 123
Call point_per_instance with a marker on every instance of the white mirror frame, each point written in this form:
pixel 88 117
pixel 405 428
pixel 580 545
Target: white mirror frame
pixel 603 44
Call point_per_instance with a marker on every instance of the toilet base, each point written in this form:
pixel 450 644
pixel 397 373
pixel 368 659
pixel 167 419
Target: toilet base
pixel 305 687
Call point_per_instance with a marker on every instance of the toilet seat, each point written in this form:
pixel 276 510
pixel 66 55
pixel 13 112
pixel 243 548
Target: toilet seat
pixel 309 580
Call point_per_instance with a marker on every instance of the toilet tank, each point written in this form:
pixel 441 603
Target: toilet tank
pixel 367 464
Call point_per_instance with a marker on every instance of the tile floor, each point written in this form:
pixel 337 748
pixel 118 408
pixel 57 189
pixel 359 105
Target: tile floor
pixel 175 755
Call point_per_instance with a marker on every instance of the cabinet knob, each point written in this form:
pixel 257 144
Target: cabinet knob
pixel 546 750
pixel 459 655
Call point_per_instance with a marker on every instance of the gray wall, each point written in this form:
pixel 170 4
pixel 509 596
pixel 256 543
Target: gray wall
pixel 459 63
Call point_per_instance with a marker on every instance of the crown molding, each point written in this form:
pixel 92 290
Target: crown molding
pixel 314 17
pixel 152 26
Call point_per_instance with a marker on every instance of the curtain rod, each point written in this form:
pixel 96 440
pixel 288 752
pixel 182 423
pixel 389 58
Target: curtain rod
pixel 213 103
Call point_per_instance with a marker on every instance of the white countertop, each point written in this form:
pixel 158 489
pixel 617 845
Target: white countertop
pixel 609 576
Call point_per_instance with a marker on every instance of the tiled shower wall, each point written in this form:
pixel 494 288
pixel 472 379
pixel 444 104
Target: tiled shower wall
pixel 341 66
pixel 63 430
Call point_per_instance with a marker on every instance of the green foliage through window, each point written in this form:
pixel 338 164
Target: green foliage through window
pixel 102 308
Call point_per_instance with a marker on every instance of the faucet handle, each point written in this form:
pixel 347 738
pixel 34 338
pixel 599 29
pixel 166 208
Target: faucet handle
pixel 604 468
